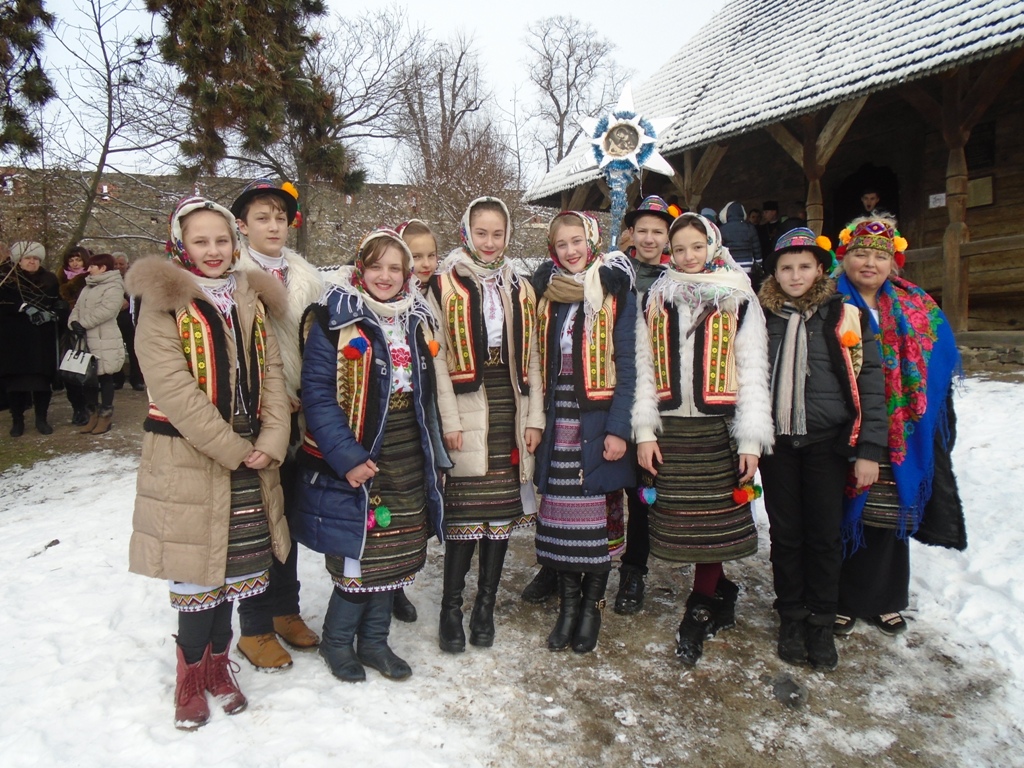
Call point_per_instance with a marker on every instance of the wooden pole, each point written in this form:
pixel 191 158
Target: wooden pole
pixel 956 274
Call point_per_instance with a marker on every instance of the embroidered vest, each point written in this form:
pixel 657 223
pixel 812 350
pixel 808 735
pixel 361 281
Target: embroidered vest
pixel 598 371
pixel 462 321
pixel 853 360
pixel 204 345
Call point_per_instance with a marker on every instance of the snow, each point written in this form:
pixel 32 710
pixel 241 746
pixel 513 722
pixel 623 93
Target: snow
pixel 87 673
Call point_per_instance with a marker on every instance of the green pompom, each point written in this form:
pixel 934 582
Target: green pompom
pixel 383 515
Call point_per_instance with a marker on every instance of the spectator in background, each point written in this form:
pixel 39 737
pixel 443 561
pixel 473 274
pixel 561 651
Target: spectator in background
pixel 71 280
pixel 796 219
pixel 871 201
pixel 770 228
pixel 127 326
pixel 754 216
pixel 740 237
pixel 709 214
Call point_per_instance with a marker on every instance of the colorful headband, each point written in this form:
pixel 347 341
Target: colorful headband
pixel 874 235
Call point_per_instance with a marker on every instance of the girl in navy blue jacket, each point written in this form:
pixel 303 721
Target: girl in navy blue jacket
pixel 372 454
pixel 586 329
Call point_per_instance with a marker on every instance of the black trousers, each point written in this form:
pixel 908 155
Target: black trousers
pixel 103 395
pixel 803 494
pixel 281 598
pixel 638 532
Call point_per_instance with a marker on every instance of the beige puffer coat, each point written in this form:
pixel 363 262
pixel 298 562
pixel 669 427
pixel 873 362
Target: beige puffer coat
pixel 183 492
pixel 96 309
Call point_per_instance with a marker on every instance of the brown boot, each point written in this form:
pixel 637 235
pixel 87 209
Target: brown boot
pixel 293 630
pixel 264 652
pixel 221 682
pixel 106 416
pixel 90 425
pixel 191 709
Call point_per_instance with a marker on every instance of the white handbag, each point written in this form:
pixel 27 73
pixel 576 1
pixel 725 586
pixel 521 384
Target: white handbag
pixel 79 365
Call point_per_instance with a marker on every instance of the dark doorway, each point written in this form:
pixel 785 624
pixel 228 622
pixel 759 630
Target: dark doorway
pixel 846 203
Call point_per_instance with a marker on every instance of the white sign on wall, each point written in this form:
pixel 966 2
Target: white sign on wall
pixel 937 201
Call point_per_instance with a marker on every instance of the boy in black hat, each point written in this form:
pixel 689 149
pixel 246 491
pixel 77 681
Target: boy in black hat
pixel 828 403
pixel 264 212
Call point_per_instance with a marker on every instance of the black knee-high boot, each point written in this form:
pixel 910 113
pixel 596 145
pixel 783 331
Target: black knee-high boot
pixel 481 621
pixel 591 608
pixel 568 611
pixel 457 557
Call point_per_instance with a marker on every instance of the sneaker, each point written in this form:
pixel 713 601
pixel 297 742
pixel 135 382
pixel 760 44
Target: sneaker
pixel 843 625
pixel 294 631
pixel 264 652
pixel 630 597
pixel 793 641
pixel 821 647
pixel 890 624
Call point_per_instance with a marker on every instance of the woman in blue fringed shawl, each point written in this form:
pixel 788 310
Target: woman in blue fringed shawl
pixel 916 493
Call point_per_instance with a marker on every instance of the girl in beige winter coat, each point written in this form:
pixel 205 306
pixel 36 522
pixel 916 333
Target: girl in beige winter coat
pixel 95 317
pixel 209 507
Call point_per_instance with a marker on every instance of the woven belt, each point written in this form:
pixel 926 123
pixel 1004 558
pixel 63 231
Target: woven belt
pixel 493 357
pixel 400 401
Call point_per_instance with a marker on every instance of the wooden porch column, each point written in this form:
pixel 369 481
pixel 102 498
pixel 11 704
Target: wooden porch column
pixel 963 105
pixel 814 152
pixel 694 180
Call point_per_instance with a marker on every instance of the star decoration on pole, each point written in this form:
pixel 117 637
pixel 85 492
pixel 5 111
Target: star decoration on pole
pixel 623 142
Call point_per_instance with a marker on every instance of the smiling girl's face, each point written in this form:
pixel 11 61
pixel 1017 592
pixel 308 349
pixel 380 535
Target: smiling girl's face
pixel 689 250
pixel 385 277
pixel 487 231
pixel 570 243
pixel 208 242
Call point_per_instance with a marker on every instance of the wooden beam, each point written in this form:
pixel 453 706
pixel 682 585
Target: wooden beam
pixel 922 101
pixel 578 199
pixel 835 129
pixel 956 274
pixel 989 84
pixel 707 166
pixel 987 247
pixel 787 141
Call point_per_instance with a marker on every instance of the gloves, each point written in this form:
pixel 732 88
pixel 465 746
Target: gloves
pixel 77 328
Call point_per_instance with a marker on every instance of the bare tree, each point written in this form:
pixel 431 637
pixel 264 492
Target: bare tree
pixel 116 102
pixel 575 76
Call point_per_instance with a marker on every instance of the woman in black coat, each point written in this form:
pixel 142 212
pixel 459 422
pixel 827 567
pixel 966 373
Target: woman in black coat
pixel 29 300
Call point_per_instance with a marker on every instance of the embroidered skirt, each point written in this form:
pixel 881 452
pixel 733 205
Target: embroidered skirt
pixel 396 551
pixel 572 528
pixel 249 551
pixel 882 509
pixel 694 518
pixel 490 506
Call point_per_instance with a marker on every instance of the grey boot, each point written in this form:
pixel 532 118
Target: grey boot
pixel 372 649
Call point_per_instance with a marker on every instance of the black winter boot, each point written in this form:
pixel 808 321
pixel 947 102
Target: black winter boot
pixel 403 609
pixel 821 642
pixel 793 640
pixel 724 614
pixel 457 558
pixel 591 607
pixel 340 626
pixel 569 596
pixel 694 628
pixel 481 621
pixel 543 586
pixel 630 597
pixel 17 424
pixel 372 649
pixel 41 404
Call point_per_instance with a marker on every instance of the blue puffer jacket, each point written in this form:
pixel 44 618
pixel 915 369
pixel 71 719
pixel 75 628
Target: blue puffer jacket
pixel 596 419
pixel 329 515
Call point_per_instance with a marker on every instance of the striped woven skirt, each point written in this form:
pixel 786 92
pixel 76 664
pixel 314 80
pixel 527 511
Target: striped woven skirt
pixel 249 551
pixel 490 506
pixel 572 528
pixel 395 549
pixel 882 509
pixel 694 518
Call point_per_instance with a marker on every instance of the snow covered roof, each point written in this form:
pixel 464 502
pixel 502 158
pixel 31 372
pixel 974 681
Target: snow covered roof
pixel 758 63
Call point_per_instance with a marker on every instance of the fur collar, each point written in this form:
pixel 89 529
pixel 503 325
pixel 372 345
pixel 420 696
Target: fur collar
pixel 166 286
pixel 772 296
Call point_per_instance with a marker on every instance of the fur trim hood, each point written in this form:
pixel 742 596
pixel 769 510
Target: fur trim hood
pixel 162 284
pixel 772 297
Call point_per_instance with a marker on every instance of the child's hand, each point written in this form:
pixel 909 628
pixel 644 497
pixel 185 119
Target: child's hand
pixel 533 436
pixel 865 472
pixel 295 404
pixel 648 453
pixel 748 467
pixel 257 460
pixel 360 473
pixel 614 448
pixel 453 441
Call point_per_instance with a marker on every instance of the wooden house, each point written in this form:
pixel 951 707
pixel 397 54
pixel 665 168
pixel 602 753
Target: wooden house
pixel 812 101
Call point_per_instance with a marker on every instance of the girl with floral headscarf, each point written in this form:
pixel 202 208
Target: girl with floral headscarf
pixel 586 329
pixel 916 492
pixel 492 412
pixel 209 512
pixel 702 418
pixel 370 463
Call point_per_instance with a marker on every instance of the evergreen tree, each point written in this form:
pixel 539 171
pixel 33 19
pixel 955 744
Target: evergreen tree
pixel 242 62
pixel 25 83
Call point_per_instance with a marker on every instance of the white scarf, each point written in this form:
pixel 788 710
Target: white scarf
pixel 410 302
pixel 220 291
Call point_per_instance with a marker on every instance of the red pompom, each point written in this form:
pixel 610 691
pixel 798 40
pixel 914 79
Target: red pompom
pixel 739 495
pixel 900 258
pixel 351 353
pixel 515 457
pixel 840 252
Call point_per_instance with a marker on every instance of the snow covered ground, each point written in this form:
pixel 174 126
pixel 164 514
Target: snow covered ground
pixel 87 669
